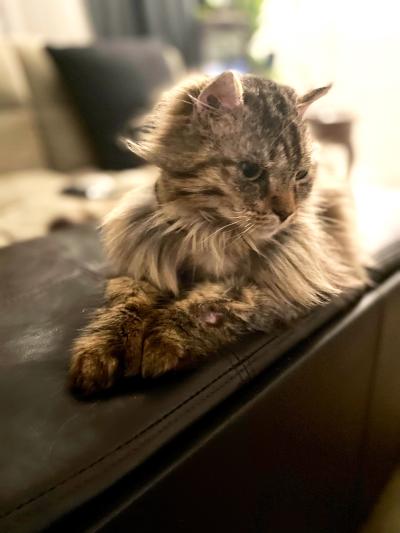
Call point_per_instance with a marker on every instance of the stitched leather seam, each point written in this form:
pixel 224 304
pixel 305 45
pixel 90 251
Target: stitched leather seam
pixel 131 439
pixel 241 363
pixel 189 408
pixel 252 356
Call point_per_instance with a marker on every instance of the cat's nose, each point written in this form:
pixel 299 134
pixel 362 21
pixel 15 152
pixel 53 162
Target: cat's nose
pixel 283 215
pixel 283 206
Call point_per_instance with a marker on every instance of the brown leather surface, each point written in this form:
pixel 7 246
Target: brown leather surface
pixel 382 443
pixel 58 452
pixel 286 456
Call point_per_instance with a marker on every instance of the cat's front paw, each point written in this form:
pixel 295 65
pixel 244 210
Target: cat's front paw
pixel 169 344
pixel 162 353
pixel 110 346
pixel 94 367
pixel 103 356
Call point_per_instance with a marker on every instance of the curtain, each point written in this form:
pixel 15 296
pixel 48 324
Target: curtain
pixel 172 21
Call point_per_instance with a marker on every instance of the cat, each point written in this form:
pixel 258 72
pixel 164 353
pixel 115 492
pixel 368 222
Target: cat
pixel 235 235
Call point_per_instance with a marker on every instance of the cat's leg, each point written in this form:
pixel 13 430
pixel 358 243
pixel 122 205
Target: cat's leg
pixel 110 346
pixel 206 318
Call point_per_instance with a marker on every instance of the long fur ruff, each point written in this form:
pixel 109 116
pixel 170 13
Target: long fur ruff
pixel 314 258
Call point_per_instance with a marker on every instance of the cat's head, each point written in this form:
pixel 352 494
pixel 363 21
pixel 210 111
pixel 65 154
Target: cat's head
pixel 234 149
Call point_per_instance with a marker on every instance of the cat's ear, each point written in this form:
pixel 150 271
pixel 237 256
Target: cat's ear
pixel 224 92
pixel 304 102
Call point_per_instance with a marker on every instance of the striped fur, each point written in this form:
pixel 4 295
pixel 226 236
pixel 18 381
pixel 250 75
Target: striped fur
pixel 210 252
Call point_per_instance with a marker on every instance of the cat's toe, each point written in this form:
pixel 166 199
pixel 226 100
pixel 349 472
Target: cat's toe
pixel 92 368
pixel 161 354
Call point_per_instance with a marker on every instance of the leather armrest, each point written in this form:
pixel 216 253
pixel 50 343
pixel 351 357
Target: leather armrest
pixel 60 452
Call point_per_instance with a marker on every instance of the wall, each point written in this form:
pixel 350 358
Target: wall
pixel 56 21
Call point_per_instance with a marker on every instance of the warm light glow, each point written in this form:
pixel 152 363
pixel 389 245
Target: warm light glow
pixel 356 45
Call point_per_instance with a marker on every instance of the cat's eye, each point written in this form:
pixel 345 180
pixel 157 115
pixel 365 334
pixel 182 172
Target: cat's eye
pixel 301 175
pixel 250 170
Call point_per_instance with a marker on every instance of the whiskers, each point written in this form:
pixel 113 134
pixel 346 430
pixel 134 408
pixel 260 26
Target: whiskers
pixel 254 230
pixel 247 229
pixel 219 230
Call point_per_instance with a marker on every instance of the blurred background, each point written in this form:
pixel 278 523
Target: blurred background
pixel 74 75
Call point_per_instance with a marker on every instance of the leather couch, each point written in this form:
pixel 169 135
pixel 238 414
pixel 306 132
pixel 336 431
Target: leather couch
pixel 279 433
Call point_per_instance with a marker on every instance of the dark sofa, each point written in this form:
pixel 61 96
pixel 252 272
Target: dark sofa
pixel 279 433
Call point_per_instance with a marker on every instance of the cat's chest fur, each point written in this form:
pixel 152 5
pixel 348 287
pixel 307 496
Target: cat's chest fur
pixel 300 264
pixel 143 242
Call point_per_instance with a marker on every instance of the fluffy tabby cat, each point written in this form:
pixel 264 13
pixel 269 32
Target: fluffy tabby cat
pixel 234 236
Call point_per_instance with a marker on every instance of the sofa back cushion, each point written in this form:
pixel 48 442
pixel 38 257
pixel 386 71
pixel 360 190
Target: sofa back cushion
pixel 111 82
pixel 40 127
pixel 61 130
pixel 21 146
